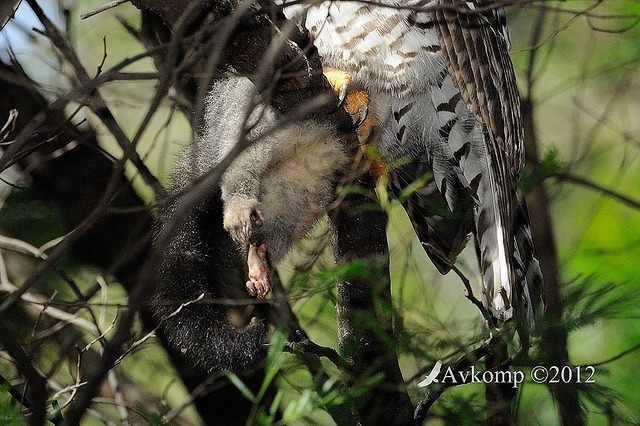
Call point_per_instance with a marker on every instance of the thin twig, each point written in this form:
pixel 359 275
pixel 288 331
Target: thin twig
pixel 9 125
pixel 615 357
pixel 568 177
pixel 491 320
pixel 99 106
pixel 37 382
pixel 463 363
pixel 306 345
pixel 152 333
pixel 102 8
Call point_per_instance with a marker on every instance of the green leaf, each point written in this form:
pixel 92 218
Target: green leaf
pixel 244 390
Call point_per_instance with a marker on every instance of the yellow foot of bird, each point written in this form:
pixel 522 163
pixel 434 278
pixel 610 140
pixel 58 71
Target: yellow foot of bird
pixel 355 102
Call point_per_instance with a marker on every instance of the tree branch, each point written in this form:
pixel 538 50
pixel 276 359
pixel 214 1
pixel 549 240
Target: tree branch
pixel 364 311
pixel 554 338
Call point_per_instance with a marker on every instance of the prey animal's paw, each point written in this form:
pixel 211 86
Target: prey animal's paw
pixel 241 216
pixel 259 283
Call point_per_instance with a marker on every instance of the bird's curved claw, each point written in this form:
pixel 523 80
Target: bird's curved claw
pixel 358 108
pixel 342 95
pixel 354 100
pixel 340 81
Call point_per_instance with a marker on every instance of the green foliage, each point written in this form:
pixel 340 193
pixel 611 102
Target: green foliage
pixel 152 418
pixel 587 301
pixel 10 409
pixel 460 409
pixel 549 166
pixel 28 215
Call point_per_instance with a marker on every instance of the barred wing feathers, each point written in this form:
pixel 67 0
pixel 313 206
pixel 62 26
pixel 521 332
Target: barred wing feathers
pixel 475 49
pixel 442 87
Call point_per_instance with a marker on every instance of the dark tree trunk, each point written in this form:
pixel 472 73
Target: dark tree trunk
pixel 554 338
pixel 365 314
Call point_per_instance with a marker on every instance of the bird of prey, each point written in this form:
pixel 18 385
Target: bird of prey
pixel 442 90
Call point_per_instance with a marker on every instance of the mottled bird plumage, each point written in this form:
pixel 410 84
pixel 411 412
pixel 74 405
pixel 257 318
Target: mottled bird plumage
pixel 442 87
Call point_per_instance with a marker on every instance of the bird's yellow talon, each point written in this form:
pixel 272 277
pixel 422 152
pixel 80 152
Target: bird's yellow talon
pixel 340 81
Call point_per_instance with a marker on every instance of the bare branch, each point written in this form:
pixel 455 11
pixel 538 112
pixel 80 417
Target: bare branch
pixel 102 8
pixel 99 104
pixel 305 345
pixel 463 363
pixel 578 180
